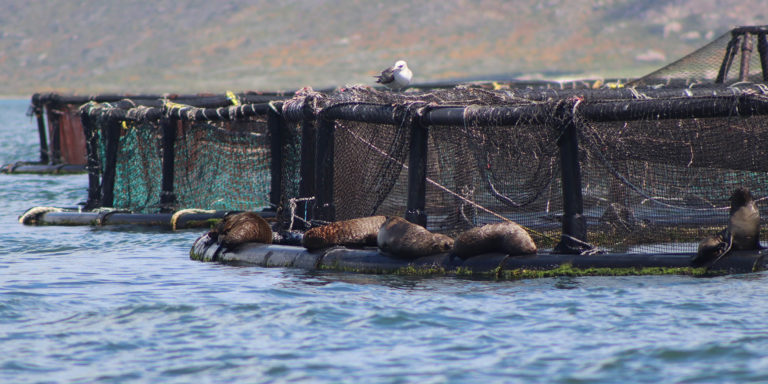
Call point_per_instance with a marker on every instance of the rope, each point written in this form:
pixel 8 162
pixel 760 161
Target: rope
pixel 292 206
pixel 591 249
pixel 637 95
pixel 725 252
pixel 233 98
pixel 178 214
pixel 579 122
pixel 444 188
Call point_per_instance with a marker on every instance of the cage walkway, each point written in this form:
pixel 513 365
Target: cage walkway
pixel 491 265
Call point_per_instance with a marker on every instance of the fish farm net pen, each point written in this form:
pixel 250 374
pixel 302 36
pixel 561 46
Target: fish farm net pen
pixel 643 170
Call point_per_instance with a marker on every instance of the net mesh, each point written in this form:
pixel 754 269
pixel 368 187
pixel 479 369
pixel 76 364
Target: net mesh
pixel 649 185
pixel 222 165
pixel 653 185
pixel 138 173
pixel 704 64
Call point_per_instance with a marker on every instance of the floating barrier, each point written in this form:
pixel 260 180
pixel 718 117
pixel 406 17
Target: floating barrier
pixel 491 265
pixel 176 220
pixel 40 168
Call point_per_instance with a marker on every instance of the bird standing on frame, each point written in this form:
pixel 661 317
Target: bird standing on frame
pixel 396 77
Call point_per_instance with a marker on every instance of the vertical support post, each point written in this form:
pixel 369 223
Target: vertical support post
pixel 54 119
pixel 574 224
pixel 746 55
pixel 39 110
pixel 112 137
pixel 324 167
pixel 169 125
pixel 307 168
pixel 730 53
pixel 92 162
pixel 417 174
pixel 762 49
pixel 276 126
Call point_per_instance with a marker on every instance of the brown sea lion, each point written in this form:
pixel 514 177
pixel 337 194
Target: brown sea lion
pixel 402 238
pixel 505 237
pixel 743 232
pixel 240 228
pixel 355 232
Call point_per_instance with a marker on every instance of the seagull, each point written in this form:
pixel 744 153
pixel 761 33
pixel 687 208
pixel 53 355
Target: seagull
pixel 396 77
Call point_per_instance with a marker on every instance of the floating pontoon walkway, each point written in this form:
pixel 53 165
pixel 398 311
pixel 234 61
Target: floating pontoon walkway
pixel 492 265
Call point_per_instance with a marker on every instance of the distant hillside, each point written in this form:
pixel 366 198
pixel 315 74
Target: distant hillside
pixel 196 45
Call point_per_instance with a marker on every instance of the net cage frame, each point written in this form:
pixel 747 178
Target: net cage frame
pixel 567 110
pixel 167 119
pixel 564 110
pixel 59 144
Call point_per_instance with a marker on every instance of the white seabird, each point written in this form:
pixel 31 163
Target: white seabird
pixel 396 77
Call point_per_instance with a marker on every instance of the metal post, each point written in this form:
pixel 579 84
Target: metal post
pixel 276 126
pixel 169 125
pixel 54 119
pixel 307 170
pixel 417 174
pixel 44 158
pixel 324 153
pixel 730 53
pixel 112 137
pixel 574 224
pixel 762 49
pixel 92 163
pixel 746 55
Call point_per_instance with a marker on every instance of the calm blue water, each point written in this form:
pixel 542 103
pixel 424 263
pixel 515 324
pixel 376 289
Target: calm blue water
pixel 84 305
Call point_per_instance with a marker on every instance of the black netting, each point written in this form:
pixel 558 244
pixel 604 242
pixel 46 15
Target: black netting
pixel 223 165
pixel 481 174
pixel 704 65
pixel 139 167
pixel 370 169
pixel 662 185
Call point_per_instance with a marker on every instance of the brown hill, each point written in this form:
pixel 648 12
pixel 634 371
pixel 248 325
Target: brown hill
pixel 195 45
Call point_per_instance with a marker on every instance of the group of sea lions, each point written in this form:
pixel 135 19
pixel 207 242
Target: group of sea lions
pixel 392 235
pixel 401 238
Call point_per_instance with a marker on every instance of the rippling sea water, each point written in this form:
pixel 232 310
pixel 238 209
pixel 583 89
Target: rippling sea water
pixel 126 305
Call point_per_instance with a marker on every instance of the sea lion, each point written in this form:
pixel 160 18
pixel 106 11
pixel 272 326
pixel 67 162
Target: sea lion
pixel 742 233
pixel 241 228
pixel 506 237
pixel 400 237
pixel 618 217
pixel 355 232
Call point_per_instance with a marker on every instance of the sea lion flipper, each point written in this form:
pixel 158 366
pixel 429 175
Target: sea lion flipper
pixel 710 249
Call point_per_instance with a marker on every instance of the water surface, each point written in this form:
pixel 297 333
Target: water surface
pixel 126 305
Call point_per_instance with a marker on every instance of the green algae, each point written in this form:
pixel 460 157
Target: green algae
pixel 519 274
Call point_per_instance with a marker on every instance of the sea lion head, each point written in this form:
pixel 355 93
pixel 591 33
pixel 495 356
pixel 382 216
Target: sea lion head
pixel 443 243
pixel 740 197
pixel 243 227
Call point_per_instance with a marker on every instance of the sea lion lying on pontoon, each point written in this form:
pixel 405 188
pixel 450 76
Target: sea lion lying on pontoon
pixel 237 229
pixel 505 237
pixel 356 233
pixel 240 228
pixel 402 238
pixel 742 233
